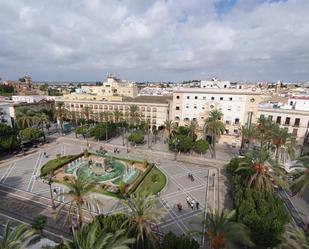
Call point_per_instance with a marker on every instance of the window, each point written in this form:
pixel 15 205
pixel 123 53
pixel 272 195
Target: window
pixel 224 86
pixel 221 98
pixel 177 97
pixel 186 119
pixel 236 131
pixel 226 131
pixel 294 133
pixel 194 119
pixel 81 106
pixel 231 98
pixel 278 120
pixel 195 97
pixel 188 97
pixel 204 97
pixel 187 106
pixel 203 107
pixel 262 116
pixel 236 121
pixel 229 108
pixel 291 103
pixel 297 121
pixel 177 108
pixel 227 122
pixel 195 107
pixel 177 118
pixel 270 117
pixel 202 117
pixel 212 98
pixel 287 121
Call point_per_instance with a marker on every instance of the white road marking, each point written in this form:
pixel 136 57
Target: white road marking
pixel 4 177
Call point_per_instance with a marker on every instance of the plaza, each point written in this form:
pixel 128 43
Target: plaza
pixel 20 175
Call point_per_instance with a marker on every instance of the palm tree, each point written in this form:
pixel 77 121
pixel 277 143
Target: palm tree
pixel 41 119
pixel 60 113
pixel 17 238
pixel 117 116
pixel 93 237
pixel 86 113
pixel 79 193
pixel 249 134
pixel 24 119
pixel 169 127
pixel 295 238
pixel 262 172
pixel 134 114
pixel 282 138
pixel 214 127
pixel 265 129
pixel 301 176
pixel 221 231
pixel 193 129
pixel 73 117
pixel 105 117
pixel 144 214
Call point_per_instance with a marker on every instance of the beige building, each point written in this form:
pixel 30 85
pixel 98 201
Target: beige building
pixel 239 108
pixel 154 109
pixel 113 87
pixel 81 96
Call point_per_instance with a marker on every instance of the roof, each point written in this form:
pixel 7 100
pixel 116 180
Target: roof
pixel 149 99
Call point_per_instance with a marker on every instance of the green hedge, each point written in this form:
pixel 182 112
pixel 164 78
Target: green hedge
pixel 57 163
pixel 136 138
pixel 140 178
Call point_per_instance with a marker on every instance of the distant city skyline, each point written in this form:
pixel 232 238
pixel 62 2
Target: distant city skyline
pixel 237 40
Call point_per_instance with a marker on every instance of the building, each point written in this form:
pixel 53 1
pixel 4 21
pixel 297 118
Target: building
pixel 153 109
pixel 23 86
pixel 27 99
pixel 112 87
pixel 239 108
pixel 5 117
pixel 35 107
pixel 215 83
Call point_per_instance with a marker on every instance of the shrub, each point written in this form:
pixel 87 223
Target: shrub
pixel 122 187
pixel 79 130
pixel 31 134
pixel 171 241
pixel 145 163
pixel 154 177
pixel 200 146
pixel 136 138
pixel 86 153
pixel 39 223
pixel 183 144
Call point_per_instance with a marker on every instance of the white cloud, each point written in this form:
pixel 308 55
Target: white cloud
pixel 154 40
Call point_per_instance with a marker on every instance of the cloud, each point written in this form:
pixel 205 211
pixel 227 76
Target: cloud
pixel 155 40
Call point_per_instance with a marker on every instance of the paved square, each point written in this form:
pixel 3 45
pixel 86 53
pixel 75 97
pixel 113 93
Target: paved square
pixel 22 175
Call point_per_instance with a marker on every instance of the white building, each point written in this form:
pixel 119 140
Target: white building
pixel 300 103
pixel 27 99
pixel 5 117
pixel 215 83
pixel 239 107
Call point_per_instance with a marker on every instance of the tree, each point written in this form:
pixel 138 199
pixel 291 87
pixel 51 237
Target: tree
pixel 265 129
pixel 200 146
pixel 221 230
pixel 86 113
pixel 295 238
pixel 183 144
pixel 92 237
pixel 117 116
pixel 144 214
pixel 8 138
pixel 171 241
pixel 31 134
pixel 301 176
pixel 136 138
pixel 60 113
pixel 261 171
pixel 79 191
pixel 18 237
pixel 193 129
pixel 281 137
pixel 24 118
pixel 249 134
pixel 41 119
pixel 169 127
pixel 134 115
pixel 214 127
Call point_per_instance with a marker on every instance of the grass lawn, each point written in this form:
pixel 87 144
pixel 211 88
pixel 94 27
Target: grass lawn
pixel 154 182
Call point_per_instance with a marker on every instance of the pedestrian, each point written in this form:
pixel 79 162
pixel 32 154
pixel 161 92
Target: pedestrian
pixel 44 154
pixel 55 191
pixel 188 200
pixel 197 205
pixel 193 203
pixel 179 206
pixel 192 206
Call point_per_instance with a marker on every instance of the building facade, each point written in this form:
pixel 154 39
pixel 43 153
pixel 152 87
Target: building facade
pixel 239 108
pixel 156 112
pixel 113 87
pixel 27 99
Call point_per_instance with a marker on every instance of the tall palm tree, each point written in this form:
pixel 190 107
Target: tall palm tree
pixel 169 127
pixel 117 116
pixel 41 119
pixel 301 176
pixel 105 117
pixel 250 134
pixel 18 237
pixel 193 129
pixel 79 192
pixel 73 115
pixel 60 113
pixel 134 114
pixel 282 138
pixel 221 231
pixel 24 118
pixel 86 113
pixel 262 172
pixel 265 129
pixel 144 214
pixel 214 127
pixel 92 237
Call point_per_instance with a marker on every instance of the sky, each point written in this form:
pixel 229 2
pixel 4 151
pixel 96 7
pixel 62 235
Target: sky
pixel 149 40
